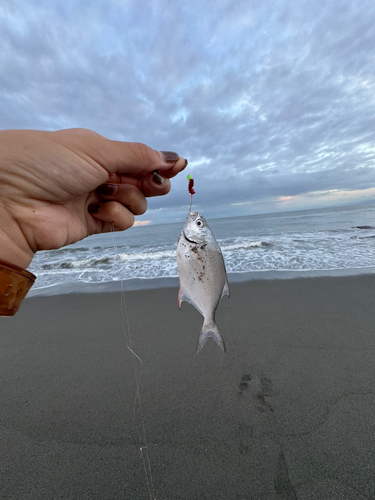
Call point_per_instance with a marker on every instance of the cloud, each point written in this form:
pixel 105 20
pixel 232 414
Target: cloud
pixel 141 223
pixel 264 100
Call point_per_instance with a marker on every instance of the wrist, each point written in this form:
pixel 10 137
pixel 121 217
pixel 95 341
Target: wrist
pixel 15 257
pixel 14 247
pixel 13 252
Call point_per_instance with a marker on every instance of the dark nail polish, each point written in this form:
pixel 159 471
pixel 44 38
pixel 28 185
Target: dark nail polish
pixel 169 156
pixel 94 208
pixel 107 189
pixel 157 178
pixel 186 163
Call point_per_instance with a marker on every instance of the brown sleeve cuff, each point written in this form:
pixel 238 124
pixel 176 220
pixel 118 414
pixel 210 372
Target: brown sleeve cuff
pixel 15 282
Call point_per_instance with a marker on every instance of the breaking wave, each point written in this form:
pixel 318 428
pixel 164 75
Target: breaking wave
pixel 305 247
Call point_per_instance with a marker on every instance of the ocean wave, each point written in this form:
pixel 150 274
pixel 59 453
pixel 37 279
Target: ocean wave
pixel 245 250
pixel 142 256
pixel 244 245
pixel 63 251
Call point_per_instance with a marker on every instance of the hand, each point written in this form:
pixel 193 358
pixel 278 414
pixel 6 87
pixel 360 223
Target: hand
pixel 49 182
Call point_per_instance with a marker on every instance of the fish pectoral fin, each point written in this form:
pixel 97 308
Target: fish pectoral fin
pixel 210 329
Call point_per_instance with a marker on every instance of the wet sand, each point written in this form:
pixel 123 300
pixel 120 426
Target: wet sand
pixel 286 413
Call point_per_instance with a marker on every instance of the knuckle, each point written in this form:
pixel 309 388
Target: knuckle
pixel 86 131
pixel 117 210
pixel 164 189
pixel 136 202
pixel 143 152
pixel 141 208
pixel 121 217
pixel 128 221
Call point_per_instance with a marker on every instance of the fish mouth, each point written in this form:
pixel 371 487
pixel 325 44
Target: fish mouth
pixel 190 241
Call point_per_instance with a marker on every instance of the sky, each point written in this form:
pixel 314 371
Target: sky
pixel 271 102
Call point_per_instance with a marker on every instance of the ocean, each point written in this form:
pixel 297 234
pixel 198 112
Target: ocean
pixel 319 241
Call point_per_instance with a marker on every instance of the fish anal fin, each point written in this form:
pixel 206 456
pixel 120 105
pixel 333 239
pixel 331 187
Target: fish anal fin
pixel 226 288
pixel 210 329
pixel 182 296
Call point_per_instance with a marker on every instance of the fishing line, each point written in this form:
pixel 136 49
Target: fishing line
pixel 138 377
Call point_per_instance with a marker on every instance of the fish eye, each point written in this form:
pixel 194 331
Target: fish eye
pixel 199 223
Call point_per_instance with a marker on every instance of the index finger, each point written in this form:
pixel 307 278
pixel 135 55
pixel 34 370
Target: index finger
pixel 136 179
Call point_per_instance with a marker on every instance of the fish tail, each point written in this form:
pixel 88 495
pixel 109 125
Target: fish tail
pixel 210 329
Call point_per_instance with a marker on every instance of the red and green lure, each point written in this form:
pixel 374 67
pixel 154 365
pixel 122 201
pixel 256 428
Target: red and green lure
pixel 191 185
pixel 191 189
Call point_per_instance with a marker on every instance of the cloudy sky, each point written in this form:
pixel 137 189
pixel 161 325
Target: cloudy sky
pixel 272 102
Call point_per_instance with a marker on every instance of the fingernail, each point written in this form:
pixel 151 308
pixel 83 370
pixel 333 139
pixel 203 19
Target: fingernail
pixel 157 178
pixel 94 208
pixel 169 156
pixel 186 163
pixel 107 189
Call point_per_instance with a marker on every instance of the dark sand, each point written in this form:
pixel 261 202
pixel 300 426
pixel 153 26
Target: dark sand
pixel 287 413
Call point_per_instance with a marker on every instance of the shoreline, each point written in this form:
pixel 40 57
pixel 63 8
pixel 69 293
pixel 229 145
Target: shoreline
pixel 172 282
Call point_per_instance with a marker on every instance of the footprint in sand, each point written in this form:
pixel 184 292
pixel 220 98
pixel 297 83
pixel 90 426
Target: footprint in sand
pixel 245 379
pixel 245 434
pixel 261 390
pixel 257 391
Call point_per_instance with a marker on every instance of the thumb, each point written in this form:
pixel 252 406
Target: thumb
pixel 116 156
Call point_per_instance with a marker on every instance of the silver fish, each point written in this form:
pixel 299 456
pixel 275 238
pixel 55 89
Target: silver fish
pixel 203 278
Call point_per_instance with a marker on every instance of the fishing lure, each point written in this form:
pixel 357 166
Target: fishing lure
pixel 191 185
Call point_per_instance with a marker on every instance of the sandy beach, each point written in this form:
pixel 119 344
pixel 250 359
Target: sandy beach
pixel 286 413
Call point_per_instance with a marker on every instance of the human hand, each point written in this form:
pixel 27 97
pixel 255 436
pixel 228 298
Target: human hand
pixel 49 182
